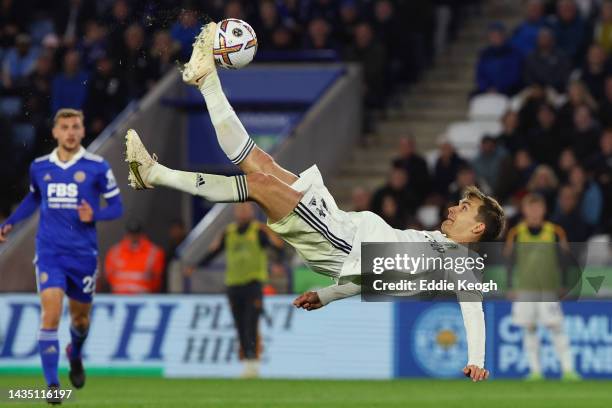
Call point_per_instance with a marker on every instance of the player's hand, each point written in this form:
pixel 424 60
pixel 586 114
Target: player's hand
pixel 4 231
pixel 85 211
pixel 476 373
pixel 308 301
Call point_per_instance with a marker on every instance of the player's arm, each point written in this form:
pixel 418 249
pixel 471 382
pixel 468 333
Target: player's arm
pixel 316 300
pixel 26 208
pixel 473 320
pixel 107 185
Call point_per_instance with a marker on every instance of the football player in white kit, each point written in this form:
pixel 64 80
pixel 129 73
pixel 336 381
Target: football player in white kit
pixel 301 209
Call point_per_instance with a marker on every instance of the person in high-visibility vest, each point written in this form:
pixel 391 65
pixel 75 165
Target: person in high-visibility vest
pixel 135 265
pixel 245 242
pixel 534 246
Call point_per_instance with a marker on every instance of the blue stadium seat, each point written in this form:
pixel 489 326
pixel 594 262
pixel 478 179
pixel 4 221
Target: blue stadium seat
pixel 10 106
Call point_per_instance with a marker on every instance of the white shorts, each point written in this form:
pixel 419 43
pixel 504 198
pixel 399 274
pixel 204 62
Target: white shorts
pixel 526 312
pixel 318 230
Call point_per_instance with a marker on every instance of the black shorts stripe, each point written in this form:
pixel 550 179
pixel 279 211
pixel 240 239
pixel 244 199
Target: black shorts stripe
pixel 308 219
pixel 324 226
pixel 245 151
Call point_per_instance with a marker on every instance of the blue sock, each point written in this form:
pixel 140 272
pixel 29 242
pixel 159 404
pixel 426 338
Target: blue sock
pixel 48 347
pixel 78 339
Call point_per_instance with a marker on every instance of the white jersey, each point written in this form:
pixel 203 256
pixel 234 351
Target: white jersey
pixel 329 240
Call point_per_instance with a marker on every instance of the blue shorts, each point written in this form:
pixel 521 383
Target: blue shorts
pixel 76 275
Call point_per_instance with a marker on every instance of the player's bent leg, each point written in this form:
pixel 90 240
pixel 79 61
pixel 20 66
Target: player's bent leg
pixel 51 305
pixel 276 198
pixel 79 329
pixel 233 138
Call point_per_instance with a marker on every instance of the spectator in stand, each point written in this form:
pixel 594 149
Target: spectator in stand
pixel 360 199
pixel 134 62
pixel 106 95
pixel 600 164
pixel 547 65
pixel 19 62
pixel 603 27
pixel 69 89
pixel 391 213
pixel 319 36
pixel 184 30
pixel 117 23
pixel 389 31
pixel 396 187
pixel 544 182
pixel 164 54
pixel 605 109
pixel 415 165
pixel 349 18
pixel 567 161
pixel 283 39
pixel 578 95
pixel 446 168
pixel 234 9
pixel 135 265
pixel 532 98
pixel 593 73
pixel 584 138
pixel 511 137
pixel 36 103
pixel 13 20
pixel 266 24
pixel 568 217
pixel 570 30
pixel 500 65
pixel 93 45
pixel 525 36
pixel 466 176
pixel 371 54
pixel 545 141
pixel 70 19
pixel 489 159
pixel 514 175
pixel 591 198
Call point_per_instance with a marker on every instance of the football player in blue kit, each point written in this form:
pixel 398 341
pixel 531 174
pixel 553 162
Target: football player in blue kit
pixel 66 185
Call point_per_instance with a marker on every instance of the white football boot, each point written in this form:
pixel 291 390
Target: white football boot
pixel 140 161
pixel 202 61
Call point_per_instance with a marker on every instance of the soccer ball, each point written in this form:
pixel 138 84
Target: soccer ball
pixel 235 44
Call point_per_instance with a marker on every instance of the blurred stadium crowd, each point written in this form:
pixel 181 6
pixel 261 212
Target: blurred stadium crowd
pixel 99 55
pixel 552 74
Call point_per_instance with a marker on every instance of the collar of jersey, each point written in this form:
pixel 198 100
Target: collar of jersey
pixel 53 158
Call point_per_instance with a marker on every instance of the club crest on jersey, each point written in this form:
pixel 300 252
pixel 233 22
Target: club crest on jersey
pixel 44 277
pixel 47 177
pixel 80 176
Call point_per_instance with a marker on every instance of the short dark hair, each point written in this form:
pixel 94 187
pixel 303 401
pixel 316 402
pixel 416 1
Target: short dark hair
pixel 490 213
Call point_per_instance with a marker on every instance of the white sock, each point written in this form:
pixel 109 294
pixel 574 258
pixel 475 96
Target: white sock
pixel 562 347
pixel 215 188
pixel 233 138
pixel 531 345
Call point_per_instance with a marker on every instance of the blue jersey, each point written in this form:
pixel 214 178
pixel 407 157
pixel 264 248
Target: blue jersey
pixel 60 187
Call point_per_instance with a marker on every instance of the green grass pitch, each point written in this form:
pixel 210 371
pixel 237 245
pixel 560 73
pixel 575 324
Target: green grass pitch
pixel 183 393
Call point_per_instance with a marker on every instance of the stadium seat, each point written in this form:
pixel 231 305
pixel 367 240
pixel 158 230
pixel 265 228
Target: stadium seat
pixel 10 106
pixel 468 134
pixel 598 250
pixel 488 107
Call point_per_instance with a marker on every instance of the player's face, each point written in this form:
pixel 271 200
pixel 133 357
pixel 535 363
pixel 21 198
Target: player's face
pixel 69 133
pixel 461 223
pixel 534 213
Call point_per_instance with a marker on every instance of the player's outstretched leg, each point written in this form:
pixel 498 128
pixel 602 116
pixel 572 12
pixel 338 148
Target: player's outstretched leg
pixel 79 328
pixel 234 140
pixel 275 197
